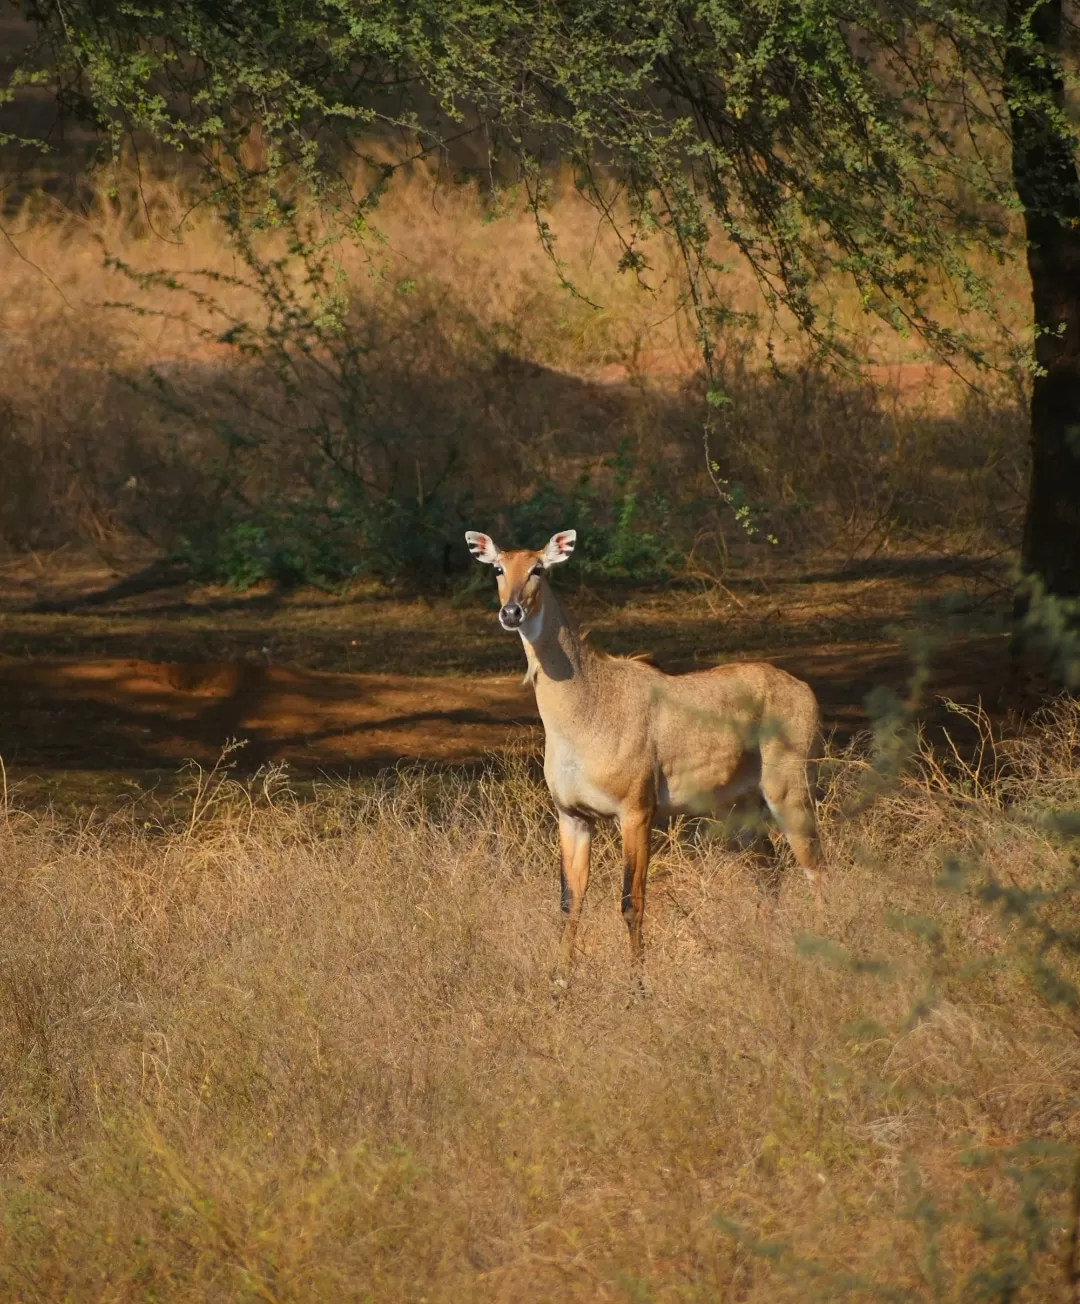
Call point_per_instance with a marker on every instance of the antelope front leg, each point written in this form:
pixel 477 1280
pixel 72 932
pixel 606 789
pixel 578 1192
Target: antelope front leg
pixel 636 832
pixel 575 845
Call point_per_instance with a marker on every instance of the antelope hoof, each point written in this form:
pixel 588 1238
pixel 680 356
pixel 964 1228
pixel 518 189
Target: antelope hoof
pixel 817 888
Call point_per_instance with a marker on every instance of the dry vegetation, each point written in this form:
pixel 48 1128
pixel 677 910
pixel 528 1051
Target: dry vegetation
pixel 465 376
pixel 253 1048
pixel 258 1047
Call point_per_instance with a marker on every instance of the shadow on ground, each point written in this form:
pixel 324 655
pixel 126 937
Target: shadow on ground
pixel 132 715
pixel 129 676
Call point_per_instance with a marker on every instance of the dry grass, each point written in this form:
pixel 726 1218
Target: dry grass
pixel 472 371
pixel 261 1049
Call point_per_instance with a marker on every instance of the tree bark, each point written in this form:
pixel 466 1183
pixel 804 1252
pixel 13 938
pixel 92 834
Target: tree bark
pixel 1045 175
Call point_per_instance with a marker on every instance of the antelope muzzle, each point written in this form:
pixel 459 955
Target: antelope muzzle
pixel 511 614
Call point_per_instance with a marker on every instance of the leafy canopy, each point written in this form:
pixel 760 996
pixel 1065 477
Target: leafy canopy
pixel 862 136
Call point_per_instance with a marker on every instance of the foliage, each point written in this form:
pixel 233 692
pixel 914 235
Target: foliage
pixel 1015 1237
pixel 625 531
pixel 306 542
pixel 862 141
pixel 756 114
pixel 418 542
pixel 283 548
pixel 319 360
pixel 124 423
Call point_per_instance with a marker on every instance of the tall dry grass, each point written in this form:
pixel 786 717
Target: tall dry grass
pixel 470 373
pixel 255 1048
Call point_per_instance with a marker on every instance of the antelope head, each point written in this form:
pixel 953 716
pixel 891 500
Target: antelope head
pixel 519 573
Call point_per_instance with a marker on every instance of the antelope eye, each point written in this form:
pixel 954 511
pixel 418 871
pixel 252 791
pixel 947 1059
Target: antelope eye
pixel 498 570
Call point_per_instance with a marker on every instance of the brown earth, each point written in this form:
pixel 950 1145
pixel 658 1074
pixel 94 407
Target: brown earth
pixel 131 714
pixel 352 684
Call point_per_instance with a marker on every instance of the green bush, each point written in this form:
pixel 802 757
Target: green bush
pixel 630 534
pixel 285 543
pixel 306 542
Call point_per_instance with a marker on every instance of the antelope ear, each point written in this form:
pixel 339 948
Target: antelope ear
pixel 482 547
pixel 559 547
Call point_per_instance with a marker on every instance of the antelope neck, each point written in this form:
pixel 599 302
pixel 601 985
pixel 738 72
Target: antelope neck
pixel 556 654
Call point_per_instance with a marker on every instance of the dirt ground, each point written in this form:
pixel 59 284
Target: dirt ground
pixel 113 673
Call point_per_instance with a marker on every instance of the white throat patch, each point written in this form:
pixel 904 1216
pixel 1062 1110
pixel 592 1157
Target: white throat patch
pixel 530 631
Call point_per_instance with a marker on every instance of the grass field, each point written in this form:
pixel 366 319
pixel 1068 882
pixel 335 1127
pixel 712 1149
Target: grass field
pixel 263 1049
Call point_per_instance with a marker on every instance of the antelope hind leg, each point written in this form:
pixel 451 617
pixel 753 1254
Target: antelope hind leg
pixel 636 836
pixel 793 810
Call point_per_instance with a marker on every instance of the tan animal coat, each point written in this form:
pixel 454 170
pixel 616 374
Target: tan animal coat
pixel 626 741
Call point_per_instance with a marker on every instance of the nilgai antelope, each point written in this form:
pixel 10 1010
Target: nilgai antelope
pixel 625 740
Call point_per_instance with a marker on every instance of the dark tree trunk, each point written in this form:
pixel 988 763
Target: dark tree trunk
pixel 1045 174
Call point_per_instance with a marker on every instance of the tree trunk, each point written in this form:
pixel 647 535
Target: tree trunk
pixel 1045 175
